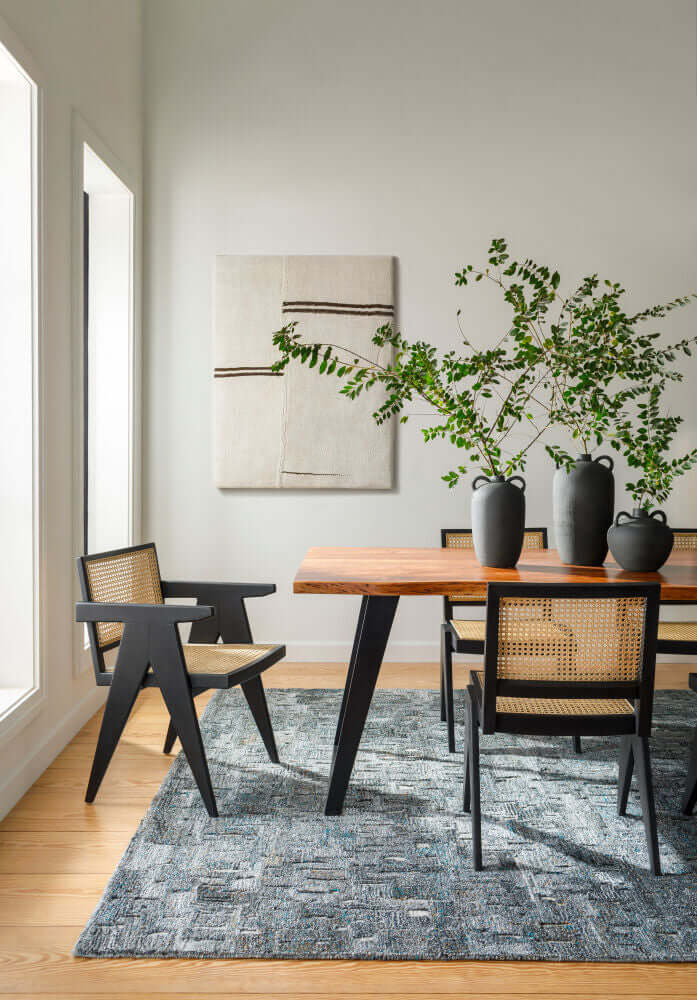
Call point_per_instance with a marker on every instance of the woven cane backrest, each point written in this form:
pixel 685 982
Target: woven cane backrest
pixel 461 538
pixel 570 639
pixel 684 539
pixel 130 576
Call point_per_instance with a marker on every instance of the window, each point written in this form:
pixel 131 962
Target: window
pixel 107 357
pixel 18 350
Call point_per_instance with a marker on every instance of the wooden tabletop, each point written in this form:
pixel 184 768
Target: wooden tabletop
pixel 442 571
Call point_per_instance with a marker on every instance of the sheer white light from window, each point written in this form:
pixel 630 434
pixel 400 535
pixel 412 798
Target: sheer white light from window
pixel 109 353
pixel 18 97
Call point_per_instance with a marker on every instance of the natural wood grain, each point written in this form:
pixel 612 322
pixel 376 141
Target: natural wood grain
pixel 423 572
pixel 57 854
pixel 37 960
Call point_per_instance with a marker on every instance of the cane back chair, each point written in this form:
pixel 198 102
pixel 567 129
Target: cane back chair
pixel 681 638
pixel 123 607
pixel 465 635
pixel 596 679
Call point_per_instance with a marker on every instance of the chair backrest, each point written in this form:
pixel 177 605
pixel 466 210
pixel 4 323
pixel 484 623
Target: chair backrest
pixel 461 538
pixel 685 539
pixel 122 576
pixel 570 641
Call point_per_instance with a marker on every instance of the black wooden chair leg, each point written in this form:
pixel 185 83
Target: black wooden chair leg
pixel 648 807
pixel 624 777
pixel 447 660
pixel 443 717
pixel 256 699
pixel 176 690
pixel 690 796
pixel 169 738
pixel 128 677
pixel 467 797
pixel 474 784
pixel 578 748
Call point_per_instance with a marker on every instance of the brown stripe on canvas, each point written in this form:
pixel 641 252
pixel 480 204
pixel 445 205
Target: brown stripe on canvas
pixel 243 368
pixel 341 305
pixel 339 312
pixel 247 374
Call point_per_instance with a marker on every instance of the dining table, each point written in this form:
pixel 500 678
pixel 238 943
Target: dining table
pixel 382 575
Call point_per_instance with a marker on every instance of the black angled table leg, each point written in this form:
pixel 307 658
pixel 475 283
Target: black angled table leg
pixel 256 699
pixel 170 672
pixel 352 664
pixel 373 630
pixel 690 796
pixel 130 670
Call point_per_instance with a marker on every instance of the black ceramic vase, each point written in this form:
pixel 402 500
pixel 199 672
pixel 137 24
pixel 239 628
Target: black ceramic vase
pixel 641 543
pixel 584 504
pixel 498 520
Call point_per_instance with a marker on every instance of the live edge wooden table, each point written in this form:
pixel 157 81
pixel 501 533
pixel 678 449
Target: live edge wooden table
pixel 382 576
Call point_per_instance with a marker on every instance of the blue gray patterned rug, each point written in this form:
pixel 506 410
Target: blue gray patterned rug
pixel 565 877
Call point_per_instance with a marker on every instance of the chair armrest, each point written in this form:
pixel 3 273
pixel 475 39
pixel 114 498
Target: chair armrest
pixel 142 614
pixel 215 592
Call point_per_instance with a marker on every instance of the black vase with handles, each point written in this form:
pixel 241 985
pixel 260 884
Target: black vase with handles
pixel 498 520
pixel 642 542
pixel 584 505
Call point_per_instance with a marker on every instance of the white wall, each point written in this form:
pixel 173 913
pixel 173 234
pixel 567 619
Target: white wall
pixel 407 128
pixel 88 57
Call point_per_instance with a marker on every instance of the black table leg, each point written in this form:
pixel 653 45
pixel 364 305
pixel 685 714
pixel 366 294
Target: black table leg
pixel 372 632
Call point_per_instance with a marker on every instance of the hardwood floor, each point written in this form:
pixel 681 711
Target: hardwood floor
pixel 57 853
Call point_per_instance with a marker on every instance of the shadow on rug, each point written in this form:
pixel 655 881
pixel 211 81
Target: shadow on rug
pixel 565 878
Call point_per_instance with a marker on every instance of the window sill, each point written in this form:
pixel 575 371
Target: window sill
pixel 18 707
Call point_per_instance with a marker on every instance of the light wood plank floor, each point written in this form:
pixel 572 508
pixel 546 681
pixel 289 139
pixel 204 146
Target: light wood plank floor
pixel 56 854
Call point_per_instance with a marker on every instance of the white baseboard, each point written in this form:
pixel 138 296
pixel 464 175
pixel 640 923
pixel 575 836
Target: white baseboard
pixel 321 651
pixel 23 777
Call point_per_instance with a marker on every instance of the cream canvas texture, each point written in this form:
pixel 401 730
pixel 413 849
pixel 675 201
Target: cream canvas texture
pixel 295 430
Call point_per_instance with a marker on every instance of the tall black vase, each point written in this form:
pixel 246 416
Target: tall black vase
pixel 584 505
pixel 498 520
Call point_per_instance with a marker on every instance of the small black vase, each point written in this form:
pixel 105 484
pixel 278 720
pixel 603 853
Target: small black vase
pixel 584 504
pixel 642 543
pixel 498 520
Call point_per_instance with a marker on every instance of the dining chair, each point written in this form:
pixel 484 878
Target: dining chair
pixel 690 796
pixel 123 607
pixel 466 635
pixel 598 682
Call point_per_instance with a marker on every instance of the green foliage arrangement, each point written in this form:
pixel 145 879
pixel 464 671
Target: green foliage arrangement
pixel 645 441
pixel 595 357
pixel 577 362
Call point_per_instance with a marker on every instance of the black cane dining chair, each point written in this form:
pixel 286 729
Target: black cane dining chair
pixel 597 680
pixel 123 607
pixel 466 635
pixel 680 637
pixel 690 797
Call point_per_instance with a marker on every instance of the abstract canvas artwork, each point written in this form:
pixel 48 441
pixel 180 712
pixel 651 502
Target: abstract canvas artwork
pixel 295 430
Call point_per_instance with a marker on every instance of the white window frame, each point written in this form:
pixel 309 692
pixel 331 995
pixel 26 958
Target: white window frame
pixel 28 705
pixel 83 134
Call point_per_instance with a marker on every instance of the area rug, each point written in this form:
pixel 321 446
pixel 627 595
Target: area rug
pixel 565 877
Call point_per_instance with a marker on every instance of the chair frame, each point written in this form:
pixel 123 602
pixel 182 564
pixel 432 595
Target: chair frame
pixel 150 638
pixel 634 729
pixel 689 799
pixel 450 642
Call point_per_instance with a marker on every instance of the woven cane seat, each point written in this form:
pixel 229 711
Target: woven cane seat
pixel 542 632
pixel 219 658
pixel 677 631
pixel 559 706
